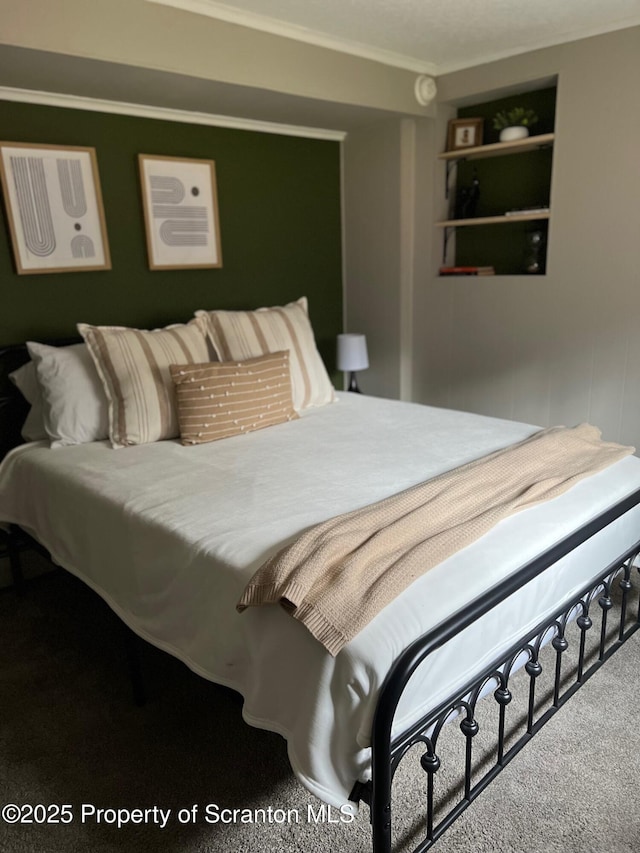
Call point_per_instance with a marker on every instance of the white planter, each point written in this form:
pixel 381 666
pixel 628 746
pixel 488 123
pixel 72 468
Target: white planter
pixel 510 134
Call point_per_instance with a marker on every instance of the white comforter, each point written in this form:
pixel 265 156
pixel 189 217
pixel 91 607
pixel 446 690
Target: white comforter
pixel 170 535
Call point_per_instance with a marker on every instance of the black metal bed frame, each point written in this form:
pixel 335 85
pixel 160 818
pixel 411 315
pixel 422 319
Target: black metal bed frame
pixel 389 750
pixel 14 540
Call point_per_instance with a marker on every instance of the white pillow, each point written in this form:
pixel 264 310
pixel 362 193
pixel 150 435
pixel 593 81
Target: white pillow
pixel 26 381
pixel 74 404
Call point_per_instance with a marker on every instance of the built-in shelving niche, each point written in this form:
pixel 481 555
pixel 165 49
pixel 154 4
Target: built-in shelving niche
pixel 511 176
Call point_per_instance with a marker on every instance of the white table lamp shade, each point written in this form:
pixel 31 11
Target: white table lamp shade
pixel 352 352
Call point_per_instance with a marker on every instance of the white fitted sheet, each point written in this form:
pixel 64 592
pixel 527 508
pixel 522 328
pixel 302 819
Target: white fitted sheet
pixel 170 535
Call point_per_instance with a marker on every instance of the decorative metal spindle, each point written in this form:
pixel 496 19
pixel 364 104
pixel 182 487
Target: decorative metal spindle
pixel 584 623
pixel 431 764
pixel 502 696
pixel 606 604
pixel 533 668
pixel 469 728
pixel 561 645
pixel 625 586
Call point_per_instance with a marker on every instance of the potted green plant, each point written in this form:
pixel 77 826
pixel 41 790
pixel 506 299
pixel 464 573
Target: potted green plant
pixel 515 123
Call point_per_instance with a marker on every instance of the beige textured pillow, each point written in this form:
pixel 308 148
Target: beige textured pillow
pixel 238 335
pixel 222 399
pixel 134 368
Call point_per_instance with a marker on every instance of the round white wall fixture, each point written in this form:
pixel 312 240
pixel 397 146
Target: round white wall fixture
pixel 425 89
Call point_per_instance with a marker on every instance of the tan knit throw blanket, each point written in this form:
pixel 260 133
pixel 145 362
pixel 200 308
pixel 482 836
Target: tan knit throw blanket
pixel 339 574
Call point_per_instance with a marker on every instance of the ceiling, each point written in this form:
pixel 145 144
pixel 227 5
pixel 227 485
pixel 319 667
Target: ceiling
pixel 431 36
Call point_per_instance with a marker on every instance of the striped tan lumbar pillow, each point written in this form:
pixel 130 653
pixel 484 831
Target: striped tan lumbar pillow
pixel 134 368
pixel 238 335
pixel 222 399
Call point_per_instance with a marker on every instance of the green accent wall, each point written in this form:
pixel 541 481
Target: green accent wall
pixel 279 202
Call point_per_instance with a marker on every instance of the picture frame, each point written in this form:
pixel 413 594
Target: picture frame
pixel 464 133
pixel 180 204
pixel 54 208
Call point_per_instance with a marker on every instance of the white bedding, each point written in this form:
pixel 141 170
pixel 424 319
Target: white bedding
pixel 169 536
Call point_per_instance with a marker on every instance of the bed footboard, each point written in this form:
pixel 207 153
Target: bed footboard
pixel 592 607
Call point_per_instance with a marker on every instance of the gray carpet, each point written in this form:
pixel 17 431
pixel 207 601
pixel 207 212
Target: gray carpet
pixel 69 734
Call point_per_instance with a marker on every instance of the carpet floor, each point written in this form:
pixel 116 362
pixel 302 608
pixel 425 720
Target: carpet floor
pixel 71 737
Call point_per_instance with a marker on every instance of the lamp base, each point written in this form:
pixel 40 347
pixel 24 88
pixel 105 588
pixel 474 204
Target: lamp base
pixel 353 383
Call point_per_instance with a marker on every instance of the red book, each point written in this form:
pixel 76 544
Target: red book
pixel 467 271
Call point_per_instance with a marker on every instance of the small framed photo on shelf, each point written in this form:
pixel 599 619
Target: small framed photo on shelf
pixel 464 133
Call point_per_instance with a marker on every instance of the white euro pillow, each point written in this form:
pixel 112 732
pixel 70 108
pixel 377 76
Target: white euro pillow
pixel 74 405
pixel 26 381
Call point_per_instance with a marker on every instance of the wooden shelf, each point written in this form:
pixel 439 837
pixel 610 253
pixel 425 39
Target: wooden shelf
pixel 492 220
pixel 498 149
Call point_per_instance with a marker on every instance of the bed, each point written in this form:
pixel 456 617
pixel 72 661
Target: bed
pixel 169 535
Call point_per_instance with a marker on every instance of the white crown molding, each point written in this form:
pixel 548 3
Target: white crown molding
pixel 274 26
pixel 77 102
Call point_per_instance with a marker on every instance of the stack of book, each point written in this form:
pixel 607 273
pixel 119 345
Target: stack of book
pixel 467 271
